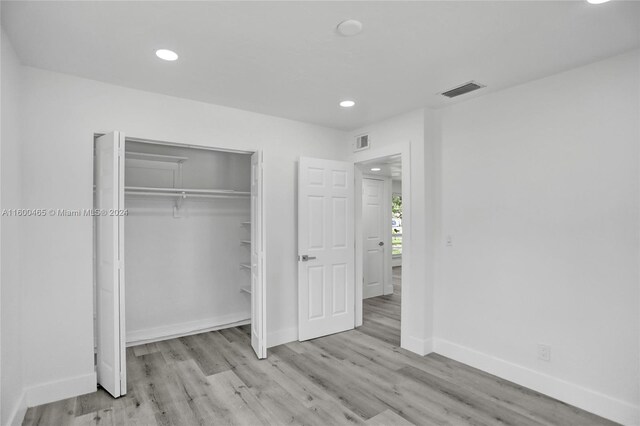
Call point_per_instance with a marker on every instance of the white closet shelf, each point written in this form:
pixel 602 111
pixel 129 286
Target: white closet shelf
pixel 155 157
pixel 245 242
pixel 246 290
pixel 184 192
pixel 245 265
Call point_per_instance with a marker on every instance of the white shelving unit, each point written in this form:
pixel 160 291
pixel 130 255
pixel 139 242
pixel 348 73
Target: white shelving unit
pixel 247 266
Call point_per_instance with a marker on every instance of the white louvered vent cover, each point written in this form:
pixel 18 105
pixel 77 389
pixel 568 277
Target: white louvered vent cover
pixel 362 142
pixel 463 89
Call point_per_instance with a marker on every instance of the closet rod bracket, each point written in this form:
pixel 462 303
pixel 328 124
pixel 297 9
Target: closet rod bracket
pixel 176 209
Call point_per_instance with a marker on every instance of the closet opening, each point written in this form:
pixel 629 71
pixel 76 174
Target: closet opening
pixel 179 246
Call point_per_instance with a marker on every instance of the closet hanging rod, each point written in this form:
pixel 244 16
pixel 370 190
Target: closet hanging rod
pixel 182 195
pixel 181 191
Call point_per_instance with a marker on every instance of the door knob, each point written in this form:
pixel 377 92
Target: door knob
pixel 306 258
pixel 381 243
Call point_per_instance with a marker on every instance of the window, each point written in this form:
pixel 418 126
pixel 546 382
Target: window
pixel 396 225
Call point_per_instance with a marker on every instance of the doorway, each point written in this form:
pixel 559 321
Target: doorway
pixel 330 271
pixel 379 210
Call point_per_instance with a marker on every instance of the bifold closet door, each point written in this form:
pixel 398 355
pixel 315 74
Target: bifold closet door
pixel 258 296
pixel 109 180
pixel 326 282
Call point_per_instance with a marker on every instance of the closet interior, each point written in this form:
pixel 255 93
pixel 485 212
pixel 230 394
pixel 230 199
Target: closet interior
pixel 187 240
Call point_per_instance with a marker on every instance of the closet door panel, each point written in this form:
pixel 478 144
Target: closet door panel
pixel 109 180
pixel 258 297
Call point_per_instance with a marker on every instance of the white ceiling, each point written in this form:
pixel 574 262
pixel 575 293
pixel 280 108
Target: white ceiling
pixel 286 59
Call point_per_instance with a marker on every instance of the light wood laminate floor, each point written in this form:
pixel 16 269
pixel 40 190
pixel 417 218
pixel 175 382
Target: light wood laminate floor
pixel 360 377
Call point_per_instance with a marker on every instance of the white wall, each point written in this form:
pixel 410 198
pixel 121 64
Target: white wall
pixel 12 352
pixel 540 196
pixel 62 113
pixel 183 274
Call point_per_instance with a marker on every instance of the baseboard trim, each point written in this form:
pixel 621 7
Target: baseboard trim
pixel 17 416
pixel 60 389
pixel 571 393
pixel 281 337
pixel 416 345
pixel 156 334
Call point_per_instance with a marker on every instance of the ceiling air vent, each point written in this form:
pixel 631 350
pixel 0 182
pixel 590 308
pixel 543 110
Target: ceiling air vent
pixel 362 142
pixel 461 90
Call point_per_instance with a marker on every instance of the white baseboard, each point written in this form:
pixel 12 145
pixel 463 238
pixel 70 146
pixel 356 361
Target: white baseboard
pixel 60 389
pixel 418 346
pixel 281 337
pixel 571 393
pixel 156 334
pixel 17 415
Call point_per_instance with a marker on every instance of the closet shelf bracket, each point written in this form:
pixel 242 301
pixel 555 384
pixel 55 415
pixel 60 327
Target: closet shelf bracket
pixel 179 200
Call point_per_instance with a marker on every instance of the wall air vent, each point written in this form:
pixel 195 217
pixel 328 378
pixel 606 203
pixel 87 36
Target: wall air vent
pixel 362 142
pixel 461 90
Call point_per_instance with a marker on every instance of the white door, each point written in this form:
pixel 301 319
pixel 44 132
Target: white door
pixel 109 180
pixel 258 297
pixel 374 233
pixel 325 247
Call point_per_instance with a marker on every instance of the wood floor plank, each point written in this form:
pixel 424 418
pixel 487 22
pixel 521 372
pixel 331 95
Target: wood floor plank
pixel 242 407
pixel 92 402
pixel 55 413
pixel 145 349
pixel 356 399
pixel 388 418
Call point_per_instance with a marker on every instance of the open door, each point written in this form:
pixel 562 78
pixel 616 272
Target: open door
pixel 258 297
pixel 109 180
pixel 326 282
pixel 374 229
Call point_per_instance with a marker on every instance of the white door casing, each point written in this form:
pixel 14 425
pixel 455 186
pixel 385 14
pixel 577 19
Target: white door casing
pixel 109 179
pixel 326 284
pixel 258 296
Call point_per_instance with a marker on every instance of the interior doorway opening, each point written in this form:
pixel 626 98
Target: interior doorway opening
pixel 379 211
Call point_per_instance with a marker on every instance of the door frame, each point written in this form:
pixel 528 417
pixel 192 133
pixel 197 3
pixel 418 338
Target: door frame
pixel 404 150
pixel 387 287
pixel 263 230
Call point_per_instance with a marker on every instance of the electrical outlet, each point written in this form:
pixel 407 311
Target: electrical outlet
pixel 544 352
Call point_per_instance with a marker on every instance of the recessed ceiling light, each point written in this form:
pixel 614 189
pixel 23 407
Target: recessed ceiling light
pixel 167 55
pixel 347 104
pixel 597 1
pixel 350 27
pixel 375 169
